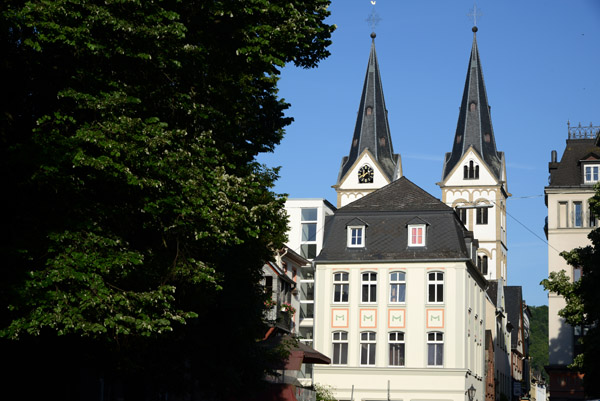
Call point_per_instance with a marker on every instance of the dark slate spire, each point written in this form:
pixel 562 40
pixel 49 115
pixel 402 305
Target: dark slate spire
pixel 474 126
pixel 372 130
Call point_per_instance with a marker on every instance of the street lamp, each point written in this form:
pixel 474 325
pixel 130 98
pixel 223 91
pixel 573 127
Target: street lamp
pixel 471 392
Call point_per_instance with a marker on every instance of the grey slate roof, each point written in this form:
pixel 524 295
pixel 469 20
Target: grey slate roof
pixel 372 130
pixel 492 290
pixel 386 214
pixel 567 172
pixel 474 127
pixel 514 299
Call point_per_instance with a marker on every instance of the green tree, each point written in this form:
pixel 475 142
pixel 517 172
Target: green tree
pixel 138 220
pixel 583 303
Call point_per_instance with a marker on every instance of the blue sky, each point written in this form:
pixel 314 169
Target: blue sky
pixel 541 65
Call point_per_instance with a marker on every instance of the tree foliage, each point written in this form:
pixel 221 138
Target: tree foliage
pixel 583 302
pixel 135 213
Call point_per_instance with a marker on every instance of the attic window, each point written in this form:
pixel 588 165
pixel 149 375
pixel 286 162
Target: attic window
pixel 382 141
pixel 369 110
pixel 356 236
pixel 473 106
pixel 416 235
pixel 590 174
pixel 487 138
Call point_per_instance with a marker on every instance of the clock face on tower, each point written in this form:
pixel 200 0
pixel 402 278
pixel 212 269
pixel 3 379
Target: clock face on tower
pixel 365 174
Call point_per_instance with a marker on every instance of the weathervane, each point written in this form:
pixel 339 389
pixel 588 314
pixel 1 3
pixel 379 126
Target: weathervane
pixel 374 18
pixel 474 13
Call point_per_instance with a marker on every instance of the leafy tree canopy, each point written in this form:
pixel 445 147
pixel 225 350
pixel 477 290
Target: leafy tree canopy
pixel 135 212
pixel 583 302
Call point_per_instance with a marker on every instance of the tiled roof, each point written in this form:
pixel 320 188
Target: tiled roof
pixel 386 213
pixel 401 195
pixel 568 172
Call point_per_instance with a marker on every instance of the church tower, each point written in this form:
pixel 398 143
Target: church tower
pixel 474 173
pixel 371 163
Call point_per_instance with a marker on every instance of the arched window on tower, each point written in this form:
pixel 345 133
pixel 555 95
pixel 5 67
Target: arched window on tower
pixel 471 171
pixel 484 265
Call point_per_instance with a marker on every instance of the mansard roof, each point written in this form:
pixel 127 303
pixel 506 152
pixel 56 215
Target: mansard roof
pixel 372 129
pixel 474 127
pixel 580 147
pixel 387 213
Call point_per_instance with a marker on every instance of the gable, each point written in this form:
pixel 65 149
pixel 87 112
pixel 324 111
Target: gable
pixel 473 162
pixel 351 179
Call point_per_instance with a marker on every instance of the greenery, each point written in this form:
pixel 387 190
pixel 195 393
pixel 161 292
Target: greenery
pixel 324 392
pixel 583 303
pixel 538 348
pixel 135 217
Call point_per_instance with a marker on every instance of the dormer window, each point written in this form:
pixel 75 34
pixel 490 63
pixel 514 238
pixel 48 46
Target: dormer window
pixel 416 235
pixel 471 171
pixel 590 174
pixel 356 236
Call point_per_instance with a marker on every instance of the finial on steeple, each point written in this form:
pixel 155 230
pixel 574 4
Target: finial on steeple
pixel 373 20
pixel 474 13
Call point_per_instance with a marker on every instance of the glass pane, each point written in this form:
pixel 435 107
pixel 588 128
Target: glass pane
pixel 336 353
pixel 345 293
pixel 363 354
pixel 439 355
pixel 365 293
pixel 344 353
pixel 371 354
pixel 308 251
pixel 431 293
pixel 307 291
pixel 373 293
pixel 307 310
pixel 309 232
pixel 394 293
pixel 440 294
pixel 401 292
pixel 337 293
pixel 430 354
pixel 309 214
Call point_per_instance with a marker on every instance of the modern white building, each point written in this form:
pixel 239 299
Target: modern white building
pixel 569 221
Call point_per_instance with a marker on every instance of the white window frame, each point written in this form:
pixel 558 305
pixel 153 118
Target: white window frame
pixel 370 285
pixel 344 284
pixel 308 243
pixel 436 284
pixel 393 342
pixel 395 284
pixel 594 173
pixel 423 229
pixel 433 345
pixel 356 233
pixel 338 340
pixel 578 214
pixel 368 342
pixel 482 215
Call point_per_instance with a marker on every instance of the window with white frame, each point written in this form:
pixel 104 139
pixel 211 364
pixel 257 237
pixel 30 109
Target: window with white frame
pixel 340 287
pixel 356 236
pixel 435 287
pixel 416 235
pixel 435 349
pixel 397 287
pixel 308 244
pixel 367 348
pixel 340 348
pixel 591 174
pixel 368 283
pixel 462 214
pixel 396 345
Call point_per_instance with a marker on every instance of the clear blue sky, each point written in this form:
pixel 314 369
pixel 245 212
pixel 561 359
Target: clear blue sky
pixel 541 65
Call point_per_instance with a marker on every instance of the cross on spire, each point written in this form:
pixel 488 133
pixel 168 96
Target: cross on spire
pixel 374 18
pixel 474 13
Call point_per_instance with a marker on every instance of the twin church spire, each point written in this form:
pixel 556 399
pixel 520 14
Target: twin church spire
pixel 372 163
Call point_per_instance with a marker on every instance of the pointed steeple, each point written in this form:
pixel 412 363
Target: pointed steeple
pixel 474 128
pixel 372 130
